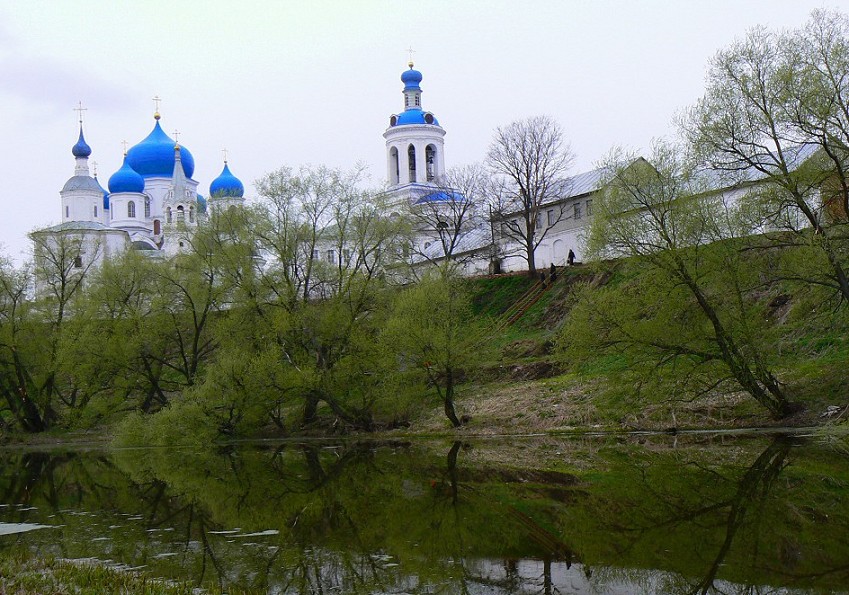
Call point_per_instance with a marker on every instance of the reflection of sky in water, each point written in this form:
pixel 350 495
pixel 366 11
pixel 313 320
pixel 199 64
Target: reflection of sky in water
pixel 10 528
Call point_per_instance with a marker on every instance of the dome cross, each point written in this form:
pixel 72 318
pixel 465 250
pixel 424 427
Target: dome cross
pixel 81 109
pixel 411 52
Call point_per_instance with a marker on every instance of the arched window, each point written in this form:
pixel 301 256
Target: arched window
pixel 95 211
pixel 67 212
pixel 146 207
pixel 394 169
pixel 430 162
pixel 191 214
pixel 411 157
pixel 131 209
pixel 168 215
pixel 156 227
pixel 181 214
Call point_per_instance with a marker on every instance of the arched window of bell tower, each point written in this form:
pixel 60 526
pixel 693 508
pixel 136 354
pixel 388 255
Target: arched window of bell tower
pixel 430 162
pixel 411 158
pixel 181 214
pixel 394 168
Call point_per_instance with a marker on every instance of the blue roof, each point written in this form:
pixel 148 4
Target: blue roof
pixel 441 196
pixel 411 78
pixel 226 184
pixel 415 116
pixel 126 179
pixel 81 149
pixel 154 156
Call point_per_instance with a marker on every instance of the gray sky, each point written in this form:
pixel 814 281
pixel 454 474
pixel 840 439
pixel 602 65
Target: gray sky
pixel 295 82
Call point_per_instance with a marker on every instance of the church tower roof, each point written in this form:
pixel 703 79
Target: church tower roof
pixel 153 157
pixel 413 112
pixel 126 179
pixel 81 149
pixel 226 184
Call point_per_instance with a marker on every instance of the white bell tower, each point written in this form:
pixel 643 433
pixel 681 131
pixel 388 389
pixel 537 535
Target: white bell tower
pixel 415 159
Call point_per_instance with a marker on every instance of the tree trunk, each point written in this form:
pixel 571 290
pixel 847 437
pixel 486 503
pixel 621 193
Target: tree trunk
pixel 449 399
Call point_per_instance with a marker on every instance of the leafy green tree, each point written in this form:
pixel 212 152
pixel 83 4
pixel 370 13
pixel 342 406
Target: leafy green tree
pixel 772 100
pixel 432 333
pixel 689 306
pixel 33 326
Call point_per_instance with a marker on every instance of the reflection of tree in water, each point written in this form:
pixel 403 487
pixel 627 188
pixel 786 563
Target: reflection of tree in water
pixel 732 509
pixel 406 518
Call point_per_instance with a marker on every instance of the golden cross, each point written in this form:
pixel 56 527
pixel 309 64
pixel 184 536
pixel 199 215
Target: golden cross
pixel 156 100
pixel 94 165
pixel 124 144
pixel 81 109
pixel 225 154
pixel 176 135
pixel 412 51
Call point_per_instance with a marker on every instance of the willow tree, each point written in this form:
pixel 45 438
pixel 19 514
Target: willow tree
pixel 330 247
pixel 688 310
pixel 775 116
pixel 432 334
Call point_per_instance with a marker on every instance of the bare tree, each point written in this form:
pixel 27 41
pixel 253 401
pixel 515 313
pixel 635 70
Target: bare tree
pixel 529 160
pixel 449 213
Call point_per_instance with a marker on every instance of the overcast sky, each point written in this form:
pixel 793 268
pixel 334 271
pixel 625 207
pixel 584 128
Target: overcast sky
pixel 314 82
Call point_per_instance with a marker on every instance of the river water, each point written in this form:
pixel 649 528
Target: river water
pixel 627 514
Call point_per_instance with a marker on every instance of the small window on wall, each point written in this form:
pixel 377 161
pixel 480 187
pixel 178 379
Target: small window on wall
pixel 550 217
pixel 78 262
pixel 347 254
pixel 589 208
pixel 577 210
pixel 67 212
pixel 539 220
pixel 131 209
pixel 315 254
pixel 147 207
pixel 331 257
pixel 95 211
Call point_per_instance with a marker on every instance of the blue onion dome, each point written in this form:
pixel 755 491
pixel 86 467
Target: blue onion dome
pixel 126 179
pixel 413 116
pixel 226 184
pixel 154 156
pixel 411 78
pixel 81 149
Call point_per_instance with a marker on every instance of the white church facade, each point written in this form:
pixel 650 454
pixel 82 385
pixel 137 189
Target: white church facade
pixel 151 203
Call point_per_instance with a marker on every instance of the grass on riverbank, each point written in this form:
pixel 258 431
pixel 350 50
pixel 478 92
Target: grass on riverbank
pixel 21 573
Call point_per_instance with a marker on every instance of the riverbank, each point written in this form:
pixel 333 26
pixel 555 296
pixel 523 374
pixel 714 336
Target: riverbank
pixel 527 385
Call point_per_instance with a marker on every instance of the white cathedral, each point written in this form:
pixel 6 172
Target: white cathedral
pixel 152 202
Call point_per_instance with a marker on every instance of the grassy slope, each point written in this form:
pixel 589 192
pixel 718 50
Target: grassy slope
pixel 530 388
